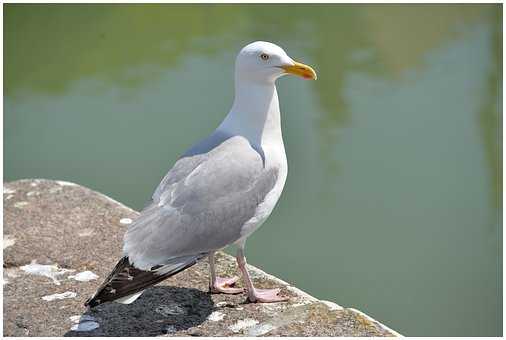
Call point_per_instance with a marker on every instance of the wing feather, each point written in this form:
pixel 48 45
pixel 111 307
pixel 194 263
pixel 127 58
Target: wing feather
pixel 201 204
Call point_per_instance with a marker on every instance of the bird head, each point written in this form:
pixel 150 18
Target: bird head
pixel 265 62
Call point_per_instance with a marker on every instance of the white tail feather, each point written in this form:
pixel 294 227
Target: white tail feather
pixel 126 300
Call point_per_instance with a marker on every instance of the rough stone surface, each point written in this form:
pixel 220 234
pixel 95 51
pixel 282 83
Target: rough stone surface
pixel 75 229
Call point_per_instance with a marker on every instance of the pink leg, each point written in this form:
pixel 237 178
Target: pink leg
pixel 222 284
pixel 256 294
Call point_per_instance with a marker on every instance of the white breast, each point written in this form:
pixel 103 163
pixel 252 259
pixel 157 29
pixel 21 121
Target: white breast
pixel 274 157
pixel 255 115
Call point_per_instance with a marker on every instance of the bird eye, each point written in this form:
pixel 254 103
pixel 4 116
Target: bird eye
pixel 264 56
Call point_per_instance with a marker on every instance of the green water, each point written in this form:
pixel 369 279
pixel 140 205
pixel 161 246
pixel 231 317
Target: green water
pixel 392 203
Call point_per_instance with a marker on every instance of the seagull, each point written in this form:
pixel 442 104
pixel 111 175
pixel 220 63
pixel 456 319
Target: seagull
pixel 217 193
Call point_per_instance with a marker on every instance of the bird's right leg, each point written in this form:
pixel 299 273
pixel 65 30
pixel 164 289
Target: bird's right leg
pixel 221 284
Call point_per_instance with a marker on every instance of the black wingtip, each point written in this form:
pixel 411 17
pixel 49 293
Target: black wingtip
pixel 92 302
pixel 125 280
pixel 96 299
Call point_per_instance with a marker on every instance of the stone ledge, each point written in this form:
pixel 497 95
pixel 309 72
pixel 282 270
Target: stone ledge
pixel 61 240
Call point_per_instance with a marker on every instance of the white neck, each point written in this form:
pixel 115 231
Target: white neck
pixel 254 113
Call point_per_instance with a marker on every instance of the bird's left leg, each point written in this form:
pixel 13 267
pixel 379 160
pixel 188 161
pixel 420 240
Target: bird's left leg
pixel 221 284
pixel 256 294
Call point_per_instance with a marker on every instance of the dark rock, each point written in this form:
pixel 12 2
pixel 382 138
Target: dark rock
pixel 70 229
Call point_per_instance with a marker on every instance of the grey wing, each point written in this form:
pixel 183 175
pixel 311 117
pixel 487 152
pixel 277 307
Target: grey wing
pixel 201 204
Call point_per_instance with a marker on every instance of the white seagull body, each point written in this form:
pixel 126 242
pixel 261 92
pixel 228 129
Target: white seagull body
pixel 219 192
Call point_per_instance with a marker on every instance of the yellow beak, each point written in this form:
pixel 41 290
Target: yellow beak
pixel 301 70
